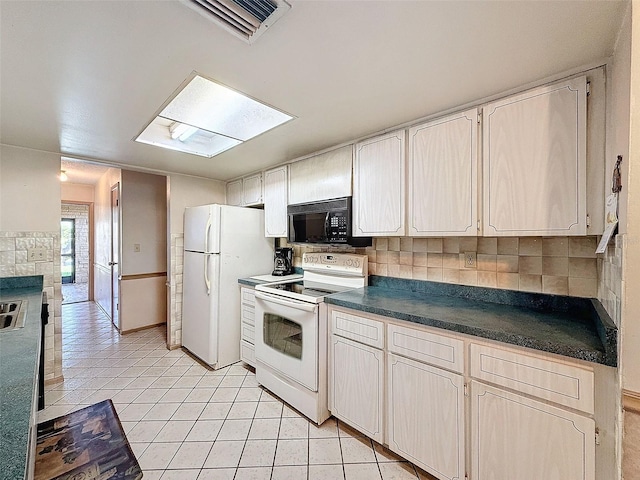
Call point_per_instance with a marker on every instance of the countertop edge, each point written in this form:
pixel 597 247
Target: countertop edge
pixel 589 355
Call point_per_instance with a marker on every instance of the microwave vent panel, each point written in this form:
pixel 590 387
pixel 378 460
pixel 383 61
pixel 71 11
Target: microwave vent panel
pixel 246 19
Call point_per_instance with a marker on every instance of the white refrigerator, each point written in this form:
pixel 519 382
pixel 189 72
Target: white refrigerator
pixel 221 244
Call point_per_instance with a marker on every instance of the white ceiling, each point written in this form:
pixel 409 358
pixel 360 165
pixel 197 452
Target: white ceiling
pixel 83 78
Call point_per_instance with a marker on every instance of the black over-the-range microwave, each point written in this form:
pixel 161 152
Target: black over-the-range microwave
pixel 327 221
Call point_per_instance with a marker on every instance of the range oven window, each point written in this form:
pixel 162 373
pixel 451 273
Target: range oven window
pixel 283 335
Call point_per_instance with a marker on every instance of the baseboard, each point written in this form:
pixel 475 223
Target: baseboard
pixel 631 401
pixel 53 380
pixel 146 327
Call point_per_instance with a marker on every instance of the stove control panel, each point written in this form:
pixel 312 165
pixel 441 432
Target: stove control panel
pixel 346 263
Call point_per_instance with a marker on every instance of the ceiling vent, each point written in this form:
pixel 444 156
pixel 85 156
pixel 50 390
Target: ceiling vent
pixel 246 19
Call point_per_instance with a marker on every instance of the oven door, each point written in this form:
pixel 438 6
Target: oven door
pixel 287 337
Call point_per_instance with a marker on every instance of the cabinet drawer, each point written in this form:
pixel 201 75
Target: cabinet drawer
pixel 564 384
pixel 248 314
pixel 248 296
pixel 360 329
pixel 434 349
pixel 248 333
pixel 248 353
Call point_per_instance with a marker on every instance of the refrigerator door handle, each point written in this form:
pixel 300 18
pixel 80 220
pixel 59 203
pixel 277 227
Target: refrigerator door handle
pixel 207 229
pixel 207 282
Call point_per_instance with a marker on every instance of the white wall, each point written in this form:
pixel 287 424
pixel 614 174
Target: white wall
pixel 30 217
pixel 76 192
pixel 144 223
pixel 631 256
pixel 188 191
pixel 29 190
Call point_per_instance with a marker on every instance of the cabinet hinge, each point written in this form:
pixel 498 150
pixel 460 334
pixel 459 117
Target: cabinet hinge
pixel 478 225
pixel 466 389
pixel 479 117
pixel 588 221
pixel 466 476
pixel 588 88
pixel 597 436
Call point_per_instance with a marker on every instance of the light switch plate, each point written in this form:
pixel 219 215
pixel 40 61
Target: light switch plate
pixel 36 254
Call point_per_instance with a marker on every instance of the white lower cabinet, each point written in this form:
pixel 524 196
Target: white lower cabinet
pixel 425 411
pixel 514 437
pixel 526 415
pixel 357 385
pixel 247 325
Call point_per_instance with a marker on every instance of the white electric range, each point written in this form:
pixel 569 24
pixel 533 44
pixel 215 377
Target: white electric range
pixel 292 329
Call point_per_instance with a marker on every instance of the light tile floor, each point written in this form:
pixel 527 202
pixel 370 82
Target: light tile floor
pixel 185 422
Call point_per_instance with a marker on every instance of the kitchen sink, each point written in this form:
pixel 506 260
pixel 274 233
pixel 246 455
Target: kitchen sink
pixel 12 315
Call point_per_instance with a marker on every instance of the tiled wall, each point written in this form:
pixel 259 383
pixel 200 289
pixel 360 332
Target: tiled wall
pixel 81 215
pixel 558 265
pixel 175 307
pixel 13 262
pixel 610 277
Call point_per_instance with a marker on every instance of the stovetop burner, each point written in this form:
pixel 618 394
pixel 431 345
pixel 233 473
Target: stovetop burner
pixel 300 289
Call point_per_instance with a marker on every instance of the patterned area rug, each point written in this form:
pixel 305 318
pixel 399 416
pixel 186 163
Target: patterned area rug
pixel 88 444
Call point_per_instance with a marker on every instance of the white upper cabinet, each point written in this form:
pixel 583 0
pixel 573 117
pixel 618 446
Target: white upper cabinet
pixel 234 193
pixel 252 189
pixel 322 177
pixel 245 191
pixel 379 186
pixel 443 176
pixel 275 202
pixel 534 162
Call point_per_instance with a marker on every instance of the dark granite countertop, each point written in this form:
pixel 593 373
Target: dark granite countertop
pixel 19 354
pixel 570 326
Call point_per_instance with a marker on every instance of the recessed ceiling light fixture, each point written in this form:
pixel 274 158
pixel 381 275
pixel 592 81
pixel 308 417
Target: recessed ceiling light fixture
pixel 206 118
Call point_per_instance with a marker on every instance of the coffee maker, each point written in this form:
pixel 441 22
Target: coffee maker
pixel 283 262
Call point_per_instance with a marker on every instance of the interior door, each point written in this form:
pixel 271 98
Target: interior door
pixel 115 255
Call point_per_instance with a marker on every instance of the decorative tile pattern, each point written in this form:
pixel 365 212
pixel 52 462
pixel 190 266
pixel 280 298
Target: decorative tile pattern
pixel 203 424
pixel 14 262
pixel 556 265
pixel 609 275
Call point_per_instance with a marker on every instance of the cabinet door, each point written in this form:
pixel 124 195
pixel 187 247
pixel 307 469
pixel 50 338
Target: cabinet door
pixel 252 189
pixel 378 186
pixel 234 193
pixel 516 437
pixel 443 176
pixel 321 177
pixel 275 202
pixel 534 162
pixel 426 417
pixel 356 385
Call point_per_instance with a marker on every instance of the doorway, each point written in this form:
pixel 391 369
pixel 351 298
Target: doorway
pixel 68 250
pixel 115 255
pixel 75 252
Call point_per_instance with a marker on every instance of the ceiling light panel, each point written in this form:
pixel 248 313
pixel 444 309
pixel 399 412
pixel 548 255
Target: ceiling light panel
pixel 201 142
pixel 219 109
pixel 206 118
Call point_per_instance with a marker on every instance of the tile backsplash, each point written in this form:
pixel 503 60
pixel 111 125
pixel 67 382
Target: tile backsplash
pixel 556 265
pixel 14 263
pixel 175 306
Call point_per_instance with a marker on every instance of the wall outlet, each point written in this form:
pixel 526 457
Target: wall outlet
pixel 469 259
pixel 136 247
pixel 36 254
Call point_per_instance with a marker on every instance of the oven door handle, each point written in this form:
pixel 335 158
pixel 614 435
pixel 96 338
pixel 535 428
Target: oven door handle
pixel 307 307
